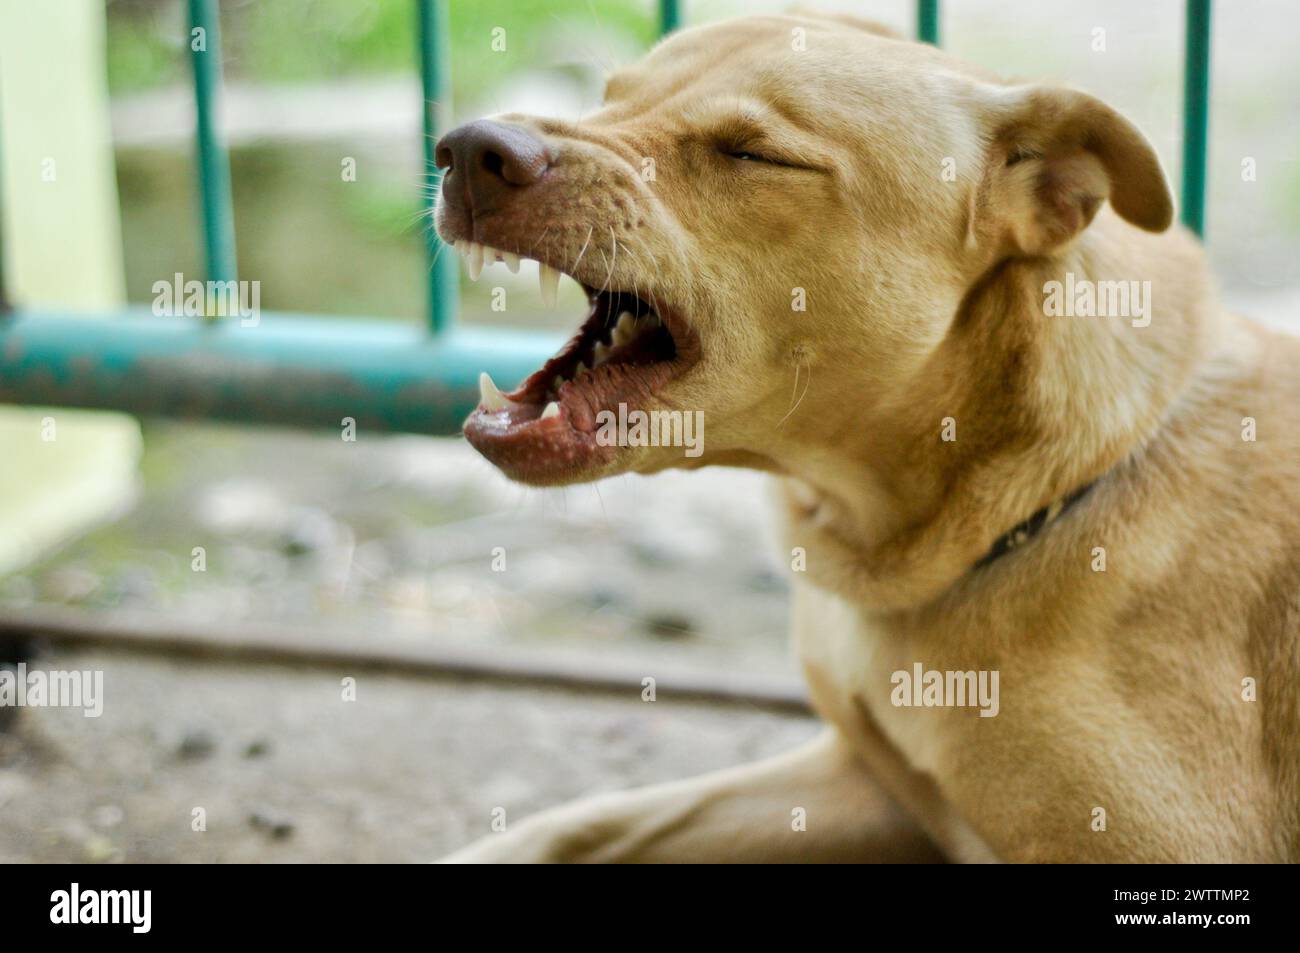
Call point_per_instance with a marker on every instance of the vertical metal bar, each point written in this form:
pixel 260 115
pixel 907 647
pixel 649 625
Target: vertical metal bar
pixel 214 164
pixel 670 16
pixel 1196 113
pixel 927 21
pixel 435 78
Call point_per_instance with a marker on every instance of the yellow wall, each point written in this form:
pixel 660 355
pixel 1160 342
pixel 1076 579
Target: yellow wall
pixel 62 247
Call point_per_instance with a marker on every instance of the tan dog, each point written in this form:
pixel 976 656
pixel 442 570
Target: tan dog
pixel 840 247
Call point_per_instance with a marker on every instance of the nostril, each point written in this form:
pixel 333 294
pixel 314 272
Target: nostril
pixel 488 159
pixel 494 163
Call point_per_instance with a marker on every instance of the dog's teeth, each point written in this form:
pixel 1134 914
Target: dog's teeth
pixel 581 369
pixel 552 410
pixel 599 353
pixel 488 396
pixel 490 255
pixel 549 279
pixel 511 260
pixel 625 330
pixel 462 247
pixel 558 382
pixel 475 260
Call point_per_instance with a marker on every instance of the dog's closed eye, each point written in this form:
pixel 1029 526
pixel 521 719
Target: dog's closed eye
pixel 754 155
pixel 751 136
pixel 747 155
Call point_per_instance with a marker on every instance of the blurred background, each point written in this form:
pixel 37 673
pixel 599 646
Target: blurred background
pixel 383 547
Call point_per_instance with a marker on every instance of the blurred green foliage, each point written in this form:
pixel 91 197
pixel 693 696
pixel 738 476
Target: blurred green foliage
pixel 285 41
pixel 316 245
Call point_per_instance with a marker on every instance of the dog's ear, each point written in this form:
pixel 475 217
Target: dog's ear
pixel 844 19
pixel 1055 155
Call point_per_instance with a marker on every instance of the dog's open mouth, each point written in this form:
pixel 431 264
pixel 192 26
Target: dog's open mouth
pixel 629 347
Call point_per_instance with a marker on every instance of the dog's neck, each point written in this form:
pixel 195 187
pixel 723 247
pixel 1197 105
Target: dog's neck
pixel 1013 411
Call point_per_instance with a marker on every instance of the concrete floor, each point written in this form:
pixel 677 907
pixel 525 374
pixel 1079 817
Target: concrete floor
pixel 387 540
pixel 287 771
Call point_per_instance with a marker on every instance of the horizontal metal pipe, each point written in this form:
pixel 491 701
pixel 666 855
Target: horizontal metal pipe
pixel 288 369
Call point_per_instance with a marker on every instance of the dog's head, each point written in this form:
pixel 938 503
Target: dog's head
pixel 776 220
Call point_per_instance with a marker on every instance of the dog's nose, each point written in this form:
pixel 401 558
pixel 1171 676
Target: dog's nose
pixel 487 160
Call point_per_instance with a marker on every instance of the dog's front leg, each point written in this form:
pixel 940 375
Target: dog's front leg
pixel 816 803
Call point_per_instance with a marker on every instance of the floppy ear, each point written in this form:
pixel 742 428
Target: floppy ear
pixel 1056 155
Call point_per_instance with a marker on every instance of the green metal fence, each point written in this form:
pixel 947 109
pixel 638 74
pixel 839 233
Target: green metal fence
pixel 311 371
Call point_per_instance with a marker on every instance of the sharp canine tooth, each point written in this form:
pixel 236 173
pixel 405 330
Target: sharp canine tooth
pixel 462 246
pixel 511 260
pixel 552 410
pixel 549 279
pixel 475 260
pixel 488 395
pixel 582 369
pixel 600 352
pixel 625 330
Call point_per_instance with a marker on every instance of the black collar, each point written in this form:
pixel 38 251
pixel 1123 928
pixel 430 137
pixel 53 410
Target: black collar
pixel 1022 533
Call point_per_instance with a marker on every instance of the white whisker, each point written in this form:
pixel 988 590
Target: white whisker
pixel 801 396
pixel 578 260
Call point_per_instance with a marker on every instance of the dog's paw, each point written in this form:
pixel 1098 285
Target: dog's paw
pixel 532 842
